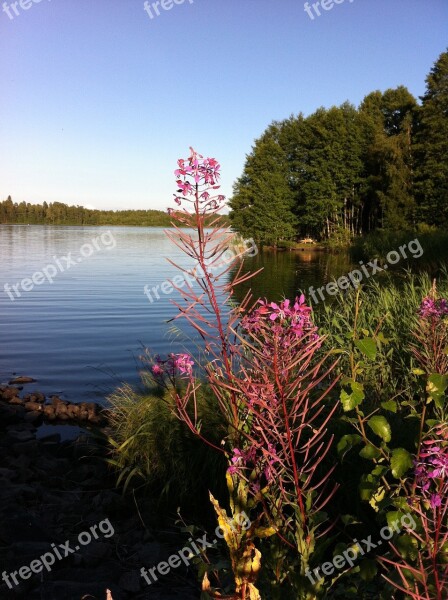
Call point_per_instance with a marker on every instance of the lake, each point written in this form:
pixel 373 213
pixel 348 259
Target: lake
pixel 81 335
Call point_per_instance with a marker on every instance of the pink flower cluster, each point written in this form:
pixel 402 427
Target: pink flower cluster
pixel 193 175
pixel 433 309
pixel 431 468
pixel 175 363
pixel 289 321
pixel 252 459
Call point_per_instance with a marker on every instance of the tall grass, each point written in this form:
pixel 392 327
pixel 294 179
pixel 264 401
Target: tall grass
pixel 388 305
pixel 378 243
pixel 151 446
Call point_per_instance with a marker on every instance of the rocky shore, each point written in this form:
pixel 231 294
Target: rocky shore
pixel 51 491
pixel 38 408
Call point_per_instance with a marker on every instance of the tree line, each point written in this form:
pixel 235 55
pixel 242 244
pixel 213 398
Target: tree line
pixel 57 213
pixel 346 171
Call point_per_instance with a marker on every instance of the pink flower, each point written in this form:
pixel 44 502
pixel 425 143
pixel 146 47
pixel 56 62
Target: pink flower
pixel 157 370
pixel 183 363
pixel 285 322
pixel 193 175
pixel 435 501
pixel 433 309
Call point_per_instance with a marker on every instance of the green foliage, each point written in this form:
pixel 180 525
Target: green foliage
pixel 346 171
pixel 285 245
pixel 376 432
pixel 262 203
pixel 149 444
pixel 377 245
pixel 57 213
pixel 431 147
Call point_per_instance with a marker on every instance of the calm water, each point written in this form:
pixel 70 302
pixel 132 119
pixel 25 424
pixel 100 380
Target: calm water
pixel 81 335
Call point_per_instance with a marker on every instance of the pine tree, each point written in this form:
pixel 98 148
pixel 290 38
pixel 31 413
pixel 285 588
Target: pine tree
pixel 388 125
pixel 262 204
pixel 431 147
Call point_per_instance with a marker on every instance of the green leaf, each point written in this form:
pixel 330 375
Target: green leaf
pixel 400 462
pixel 367 346
pixel 367 486
pixel 390 405
pixel 436 386
pixel 393 517
pixel 350 401
pixel 368 569
pixel 347 442
pixel 381 427
pixel 379 470
pixel 407 545
pixel 369 452
pixel 350 520
pixel 383 340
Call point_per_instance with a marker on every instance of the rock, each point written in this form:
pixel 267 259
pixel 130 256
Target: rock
pixel 22 461
pixel 7 474
pixel 96 552
pixel 131 582
pixel 23 527
pixel 17 401
pixel 50 413
pixel 10 415
pixel 149 553
pixel 35 417
pixel 21 380
pixel 10 392
pixel 31 447
pixel 23 436
pixel 30 550
pixel 34 406
pixel 35 397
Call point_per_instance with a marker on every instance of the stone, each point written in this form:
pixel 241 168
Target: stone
pixel 24 436
pixel 33 406
pixel 7 474
pixel 131 582
pixel 10 392
pixel 34 417
pixel 97 551
pixel 149 553
pixel 16 400
pixel 30 447
pixel 21 380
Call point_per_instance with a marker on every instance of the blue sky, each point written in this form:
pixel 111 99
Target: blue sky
pixel 99 100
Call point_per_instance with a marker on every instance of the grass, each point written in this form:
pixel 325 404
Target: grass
pixel 151 446
pixel 378 243
pixel 388 304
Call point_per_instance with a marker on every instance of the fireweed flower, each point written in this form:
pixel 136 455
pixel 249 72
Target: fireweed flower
pixel 285 322
pixel 253 459
pixel 183 363
pixel 175 363
pixel 433 309
pixel 157 370
pixel 431 468
pixel 198 174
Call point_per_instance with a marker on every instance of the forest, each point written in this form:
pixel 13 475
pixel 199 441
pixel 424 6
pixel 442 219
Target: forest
pixel 345 171
pixel 57 213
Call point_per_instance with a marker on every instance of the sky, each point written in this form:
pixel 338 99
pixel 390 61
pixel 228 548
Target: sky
pixel 99 100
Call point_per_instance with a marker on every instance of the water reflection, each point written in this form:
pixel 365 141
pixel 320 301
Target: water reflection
pixel 286 274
